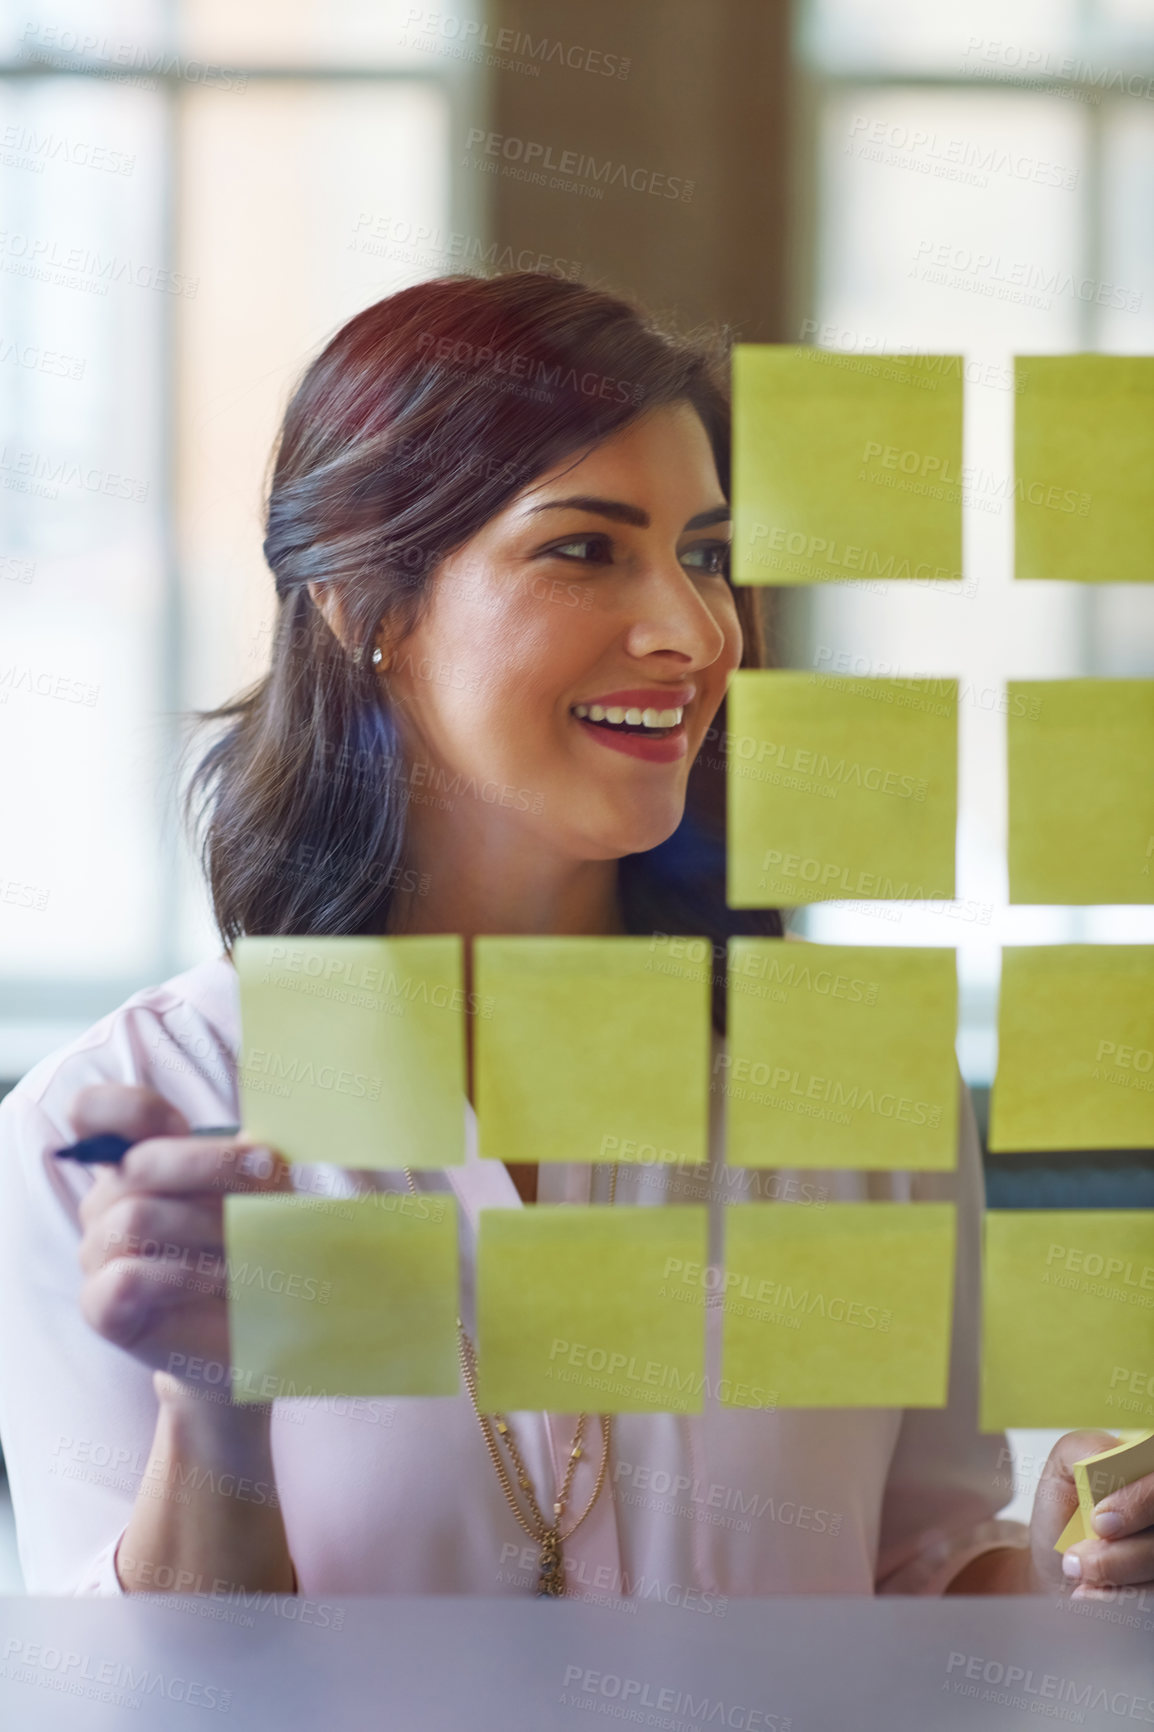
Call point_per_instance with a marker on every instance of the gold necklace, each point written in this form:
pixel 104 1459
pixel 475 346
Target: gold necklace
pixel 547 1535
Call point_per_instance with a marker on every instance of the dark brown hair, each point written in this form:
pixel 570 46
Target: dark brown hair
pixel 422 418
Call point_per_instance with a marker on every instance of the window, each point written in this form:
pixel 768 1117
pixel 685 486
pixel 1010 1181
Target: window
pixel 193 197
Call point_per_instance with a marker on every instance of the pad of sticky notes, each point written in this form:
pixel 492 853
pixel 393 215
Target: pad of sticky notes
pixel 588 1309
pixel 353 1049
pixel 1096 1476
pixel 1075 1048
pixel 1068 1318
pixel 845 1306
pixel 839 788
pixel 1083 459
pixel 353 1296
pixel 1081 783
pixel 844 469
pixel 593 1049
pixel 840 1055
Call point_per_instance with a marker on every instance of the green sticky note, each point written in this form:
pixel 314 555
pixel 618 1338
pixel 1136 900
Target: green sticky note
pixel 845 468
pixel 593 1049
pixel 840 788
pixel 844 1306
pixel 1075 1048
pixel 1081 762
pixel 590 1309
pixel 353 1049
pixel 1068 1318
pixel 1083 461
pixel 351 1296
pixel 840 1055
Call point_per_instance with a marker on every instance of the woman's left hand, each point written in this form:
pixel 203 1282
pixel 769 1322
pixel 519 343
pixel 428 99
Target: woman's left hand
pixel 1122 1554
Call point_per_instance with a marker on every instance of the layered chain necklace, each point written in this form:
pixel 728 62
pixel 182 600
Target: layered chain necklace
pixel 547 1536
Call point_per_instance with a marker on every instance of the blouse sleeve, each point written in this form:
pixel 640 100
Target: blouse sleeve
pixel 947 1480
pixel 77 1415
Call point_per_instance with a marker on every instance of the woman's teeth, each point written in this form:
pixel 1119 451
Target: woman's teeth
pixel 632 718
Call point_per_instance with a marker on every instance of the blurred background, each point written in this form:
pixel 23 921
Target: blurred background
pixel 194 194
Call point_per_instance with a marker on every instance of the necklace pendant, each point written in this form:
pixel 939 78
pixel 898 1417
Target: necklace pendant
pixel 551 1576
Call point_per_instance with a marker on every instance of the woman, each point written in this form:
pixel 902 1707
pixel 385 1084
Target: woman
pixel 498 528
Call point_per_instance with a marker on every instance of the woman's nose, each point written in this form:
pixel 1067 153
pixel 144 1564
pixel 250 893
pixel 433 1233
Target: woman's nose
pixel 673 617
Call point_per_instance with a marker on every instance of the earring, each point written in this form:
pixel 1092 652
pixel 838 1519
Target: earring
pixel 377 656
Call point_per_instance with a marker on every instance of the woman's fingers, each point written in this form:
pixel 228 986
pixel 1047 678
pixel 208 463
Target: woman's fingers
pixel 138 1305
pixel 1056 1495
pixel 182 1167
pixel 178 1165
pixel 176 1231
pixel 1115 1563
pixel 152 1249
pixel 1126 1511
pixel 1123 1553
pixel 133 1112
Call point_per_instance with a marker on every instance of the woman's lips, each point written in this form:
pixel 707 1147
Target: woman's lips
pixel 645 698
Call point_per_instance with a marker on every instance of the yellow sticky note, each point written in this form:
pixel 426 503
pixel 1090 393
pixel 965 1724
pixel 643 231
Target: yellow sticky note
pixel 1075 1048
pixel 840 1055
pixel 840 788
pixel 593 1049
pixel 591 1309
pixel 845 1306
pixel 1083 458
pixel 1068 1318
pixel 1073 1532
pixel 350 1296
pixel 844 468
pixel 1096 1476
pixel 353 1049
pixel 1081 790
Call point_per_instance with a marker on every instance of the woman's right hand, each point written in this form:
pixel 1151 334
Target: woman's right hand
pixel 152 1251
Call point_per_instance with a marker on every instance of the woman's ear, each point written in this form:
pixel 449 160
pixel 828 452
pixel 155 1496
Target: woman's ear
pixel 328 598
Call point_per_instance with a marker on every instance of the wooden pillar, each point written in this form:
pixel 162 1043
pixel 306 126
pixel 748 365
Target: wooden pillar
pixel 705 100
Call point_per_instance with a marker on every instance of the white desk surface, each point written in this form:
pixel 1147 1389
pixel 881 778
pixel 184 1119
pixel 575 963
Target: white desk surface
pixel 502 1665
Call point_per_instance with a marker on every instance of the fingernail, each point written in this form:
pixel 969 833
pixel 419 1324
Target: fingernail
pixel 1109 1524
pixel 255 1163
pixel 1071 1566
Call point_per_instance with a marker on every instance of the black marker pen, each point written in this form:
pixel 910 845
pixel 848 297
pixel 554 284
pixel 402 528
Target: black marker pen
pixel 108 1147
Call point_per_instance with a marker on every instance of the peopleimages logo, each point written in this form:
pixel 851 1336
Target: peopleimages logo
pixel 78 266
pixel 585 1688
pixel 819 552
pixel 734 1286
pixel 76 1674
pixel 22 146
pixel 1022 1687
pixel 302 1073
pixel 511 50
pixel 575 167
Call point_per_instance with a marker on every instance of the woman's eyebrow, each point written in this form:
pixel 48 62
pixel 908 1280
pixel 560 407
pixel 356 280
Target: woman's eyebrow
pixel 620 512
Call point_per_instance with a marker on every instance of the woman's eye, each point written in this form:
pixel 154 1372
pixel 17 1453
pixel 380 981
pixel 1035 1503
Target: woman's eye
pixel 714 556
pixel 710 557
pixel 597 542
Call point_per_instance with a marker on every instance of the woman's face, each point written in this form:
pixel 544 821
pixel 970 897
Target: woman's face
pixel 576 649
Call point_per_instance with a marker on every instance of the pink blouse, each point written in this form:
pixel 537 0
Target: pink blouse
pixel 399 1496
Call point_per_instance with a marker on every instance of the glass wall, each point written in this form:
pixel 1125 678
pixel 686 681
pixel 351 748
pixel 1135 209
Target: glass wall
pixel 983 185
